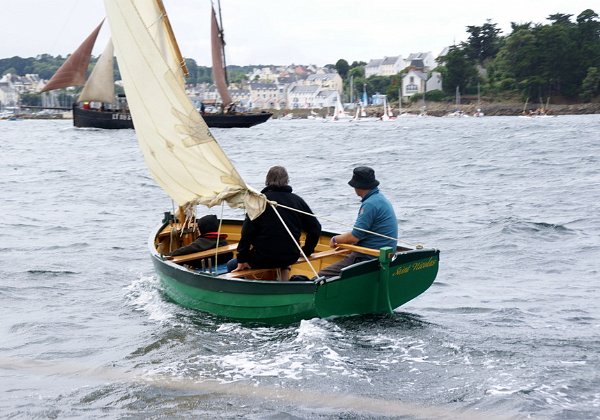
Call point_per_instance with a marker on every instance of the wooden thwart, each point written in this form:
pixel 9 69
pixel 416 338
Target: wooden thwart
pixel 203 254
pixel 314 256
pixel 342 249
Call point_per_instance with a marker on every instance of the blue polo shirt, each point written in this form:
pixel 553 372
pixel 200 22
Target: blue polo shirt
pixel 376 214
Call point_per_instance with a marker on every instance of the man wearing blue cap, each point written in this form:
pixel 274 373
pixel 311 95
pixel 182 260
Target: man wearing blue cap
pixel 376 225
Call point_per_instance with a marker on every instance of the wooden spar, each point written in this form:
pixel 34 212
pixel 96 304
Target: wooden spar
pixel 184 68
pixel 222 43
pixel 361 249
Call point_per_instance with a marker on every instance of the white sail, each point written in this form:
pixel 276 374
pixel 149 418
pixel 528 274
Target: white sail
pixel 179 149
pixel 100 86
pixel 154 16
pixel 385 116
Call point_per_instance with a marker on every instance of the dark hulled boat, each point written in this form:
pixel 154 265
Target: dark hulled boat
pixel 118 119
pixel 236 119
pixel 97 118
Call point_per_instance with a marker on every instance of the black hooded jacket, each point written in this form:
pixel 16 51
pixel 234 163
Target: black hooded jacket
pixel 265 242
pixel 209 238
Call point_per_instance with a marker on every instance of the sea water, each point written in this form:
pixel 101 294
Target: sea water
pixel 509 329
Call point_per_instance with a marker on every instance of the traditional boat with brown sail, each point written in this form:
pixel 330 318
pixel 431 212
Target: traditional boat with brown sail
pixel 96 105
pixel 227 117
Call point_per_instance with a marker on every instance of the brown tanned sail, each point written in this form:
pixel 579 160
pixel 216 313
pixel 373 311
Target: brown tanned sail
pixel 218 68
pixel 73 70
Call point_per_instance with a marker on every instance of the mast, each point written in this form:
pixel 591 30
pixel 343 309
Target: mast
pixel 222 36
pixel 457 96
pixel 424 93
pixel 400 100
pixel 218 59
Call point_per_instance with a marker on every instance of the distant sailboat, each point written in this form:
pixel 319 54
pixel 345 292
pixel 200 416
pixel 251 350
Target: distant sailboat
pixel 387 114
pixel 228 117
pixel 96 105
pixel 338 113
pixel 478 112
pixel 360 114
pixel 457 111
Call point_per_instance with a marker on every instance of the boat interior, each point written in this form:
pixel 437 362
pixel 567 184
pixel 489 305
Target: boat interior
pixel 175 235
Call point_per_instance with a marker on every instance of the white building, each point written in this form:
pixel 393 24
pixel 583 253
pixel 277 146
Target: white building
pixel 263 96
pixel 387 66
pixel 326 81
pixel 416 81
pixel 9 94
pixel 421 60
pixel 302 96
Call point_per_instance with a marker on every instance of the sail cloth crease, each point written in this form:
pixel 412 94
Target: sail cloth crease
pixel 100 86
pixel 179 149
pixel 218 67
pixel 73 70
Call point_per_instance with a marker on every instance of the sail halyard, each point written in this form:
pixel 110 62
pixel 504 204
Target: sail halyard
pixel 179 149
pixel 100 86
pixel 218 60
pixel 73 70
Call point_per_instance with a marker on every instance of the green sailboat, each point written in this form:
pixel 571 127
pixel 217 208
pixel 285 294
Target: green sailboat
pixel 187 162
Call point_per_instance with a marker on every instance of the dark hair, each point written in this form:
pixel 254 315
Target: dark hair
pixel 277 177
pixel 208 223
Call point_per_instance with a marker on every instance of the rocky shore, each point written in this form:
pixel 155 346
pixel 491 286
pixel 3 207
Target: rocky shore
pixel 439 109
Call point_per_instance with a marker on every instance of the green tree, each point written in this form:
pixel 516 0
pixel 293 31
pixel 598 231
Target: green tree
pixel 587 40
pixel 483 42
pixel 516 60
pixel 33 99
pixel 459 71
pixel 342 67
pixel 591 84
pixel 556 58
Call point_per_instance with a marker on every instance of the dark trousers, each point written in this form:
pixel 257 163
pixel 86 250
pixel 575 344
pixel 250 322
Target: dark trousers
pixel 335 269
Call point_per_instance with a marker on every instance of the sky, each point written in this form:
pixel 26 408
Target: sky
pixel 281 32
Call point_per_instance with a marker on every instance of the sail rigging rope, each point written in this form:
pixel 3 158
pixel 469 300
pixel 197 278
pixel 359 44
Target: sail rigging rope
pixel 274 203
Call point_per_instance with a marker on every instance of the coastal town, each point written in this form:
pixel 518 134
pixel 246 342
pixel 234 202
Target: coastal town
pixel 274 88
pixel 500 73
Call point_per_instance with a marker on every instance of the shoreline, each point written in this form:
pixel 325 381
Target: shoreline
pixel 440 109
pixel 435 109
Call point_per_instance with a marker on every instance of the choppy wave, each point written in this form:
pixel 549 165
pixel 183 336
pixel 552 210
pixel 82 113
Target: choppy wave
pixel 510 326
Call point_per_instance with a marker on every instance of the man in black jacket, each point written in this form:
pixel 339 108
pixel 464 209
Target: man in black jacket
pixel 265 242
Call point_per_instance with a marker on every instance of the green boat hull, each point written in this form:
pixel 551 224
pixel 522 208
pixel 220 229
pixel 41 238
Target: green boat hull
pixel 370 287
